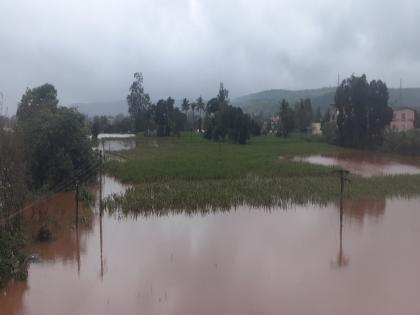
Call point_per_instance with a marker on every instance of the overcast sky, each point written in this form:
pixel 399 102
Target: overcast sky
pixel 89 49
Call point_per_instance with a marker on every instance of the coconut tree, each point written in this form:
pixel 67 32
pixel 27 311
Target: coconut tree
pixel 201 107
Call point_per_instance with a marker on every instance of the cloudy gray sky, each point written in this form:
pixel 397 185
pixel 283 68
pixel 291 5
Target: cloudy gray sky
pixel 89 49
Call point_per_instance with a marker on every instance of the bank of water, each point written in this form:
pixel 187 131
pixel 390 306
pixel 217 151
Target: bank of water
pixel 243 261
pixel 366 164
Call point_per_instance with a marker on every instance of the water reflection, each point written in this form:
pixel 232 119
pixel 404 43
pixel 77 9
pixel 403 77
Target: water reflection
pixel 342 260
pixel 366 164
pixel 360 210
pixel 244 261
pixel 58 215
pixel 112 145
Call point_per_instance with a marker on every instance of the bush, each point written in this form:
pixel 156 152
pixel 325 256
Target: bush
pixel 12 259
pixel 403 142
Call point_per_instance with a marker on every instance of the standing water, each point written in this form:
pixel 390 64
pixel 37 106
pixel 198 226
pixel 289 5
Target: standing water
pixel 246 261
pixel 366 164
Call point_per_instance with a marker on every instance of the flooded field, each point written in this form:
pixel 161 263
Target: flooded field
pixel 117 144
pixel 244 261
pixel 367 164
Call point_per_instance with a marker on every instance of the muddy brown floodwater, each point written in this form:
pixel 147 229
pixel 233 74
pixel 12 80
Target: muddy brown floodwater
pixel 246 261
pixel 366 164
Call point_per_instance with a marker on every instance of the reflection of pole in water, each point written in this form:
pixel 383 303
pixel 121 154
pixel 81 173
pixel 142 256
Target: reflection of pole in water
pixel 342 260
pixel 100 213
pixel 78 249
pixel 100 239
pixel 77 229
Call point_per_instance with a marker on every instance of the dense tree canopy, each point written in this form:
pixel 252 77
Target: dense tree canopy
pixel 303 115
pixel 54 138
pixel 363 112
pixel 40 98
pixel 223 120
pixel 168 119
pixel 287 119
pixel 139 104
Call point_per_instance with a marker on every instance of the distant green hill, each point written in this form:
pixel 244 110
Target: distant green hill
pixel 267 102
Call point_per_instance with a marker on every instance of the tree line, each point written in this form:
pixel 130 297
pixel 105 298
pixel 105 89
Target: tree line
pixel 217 120
pixel 293 118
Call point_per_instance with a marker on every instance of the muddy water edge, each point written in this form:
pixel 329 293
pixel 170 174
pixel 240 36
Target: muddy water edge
pixel 244 261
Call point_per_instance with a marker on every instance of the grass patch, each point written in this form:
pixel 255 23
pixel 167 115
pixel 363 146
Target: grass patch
pixel 190 174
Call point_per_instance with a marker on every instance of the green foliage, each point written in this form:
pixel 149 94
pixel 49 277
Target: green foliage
pixel 12 258
pixel 162 159
pixel 225 121
pixel 303 115
pixel 12 188
pixel 363 112
pixel 185 106
pixel 287 119
pixel 180 174
pixel 56 146
pixel 179 196
pixel 139 104
pixel 168 119
pixel 12 194
pixel 37 99
pixel 403 142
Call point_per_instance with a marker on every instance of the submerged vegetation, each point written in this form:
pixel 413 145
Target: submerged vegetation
pixel 180 174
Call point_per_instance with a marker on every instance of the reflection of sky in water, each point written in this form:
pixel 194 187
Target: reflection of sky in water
pixel 247 261
pixel 110 145
pixel 366 167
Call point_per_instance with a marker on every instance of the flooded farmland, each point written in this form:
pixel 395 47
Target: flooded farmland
pixel 244 261
pixel 366 164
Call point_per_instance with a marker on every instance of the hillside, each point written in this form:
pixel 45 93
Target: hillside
pixel 268 102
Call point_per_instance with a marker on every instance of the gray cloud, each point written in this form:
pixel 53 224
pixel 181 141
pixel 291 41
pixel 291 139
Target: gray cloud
pixel 89 49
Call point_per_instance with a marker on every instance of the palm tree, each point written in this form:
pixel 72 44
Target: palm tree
pixel 193 107
pixel 201 107
pixel 185 106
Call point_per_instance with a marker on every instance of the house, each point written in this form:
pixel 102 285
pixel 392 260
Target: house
pixel 403 119
pixel 316 129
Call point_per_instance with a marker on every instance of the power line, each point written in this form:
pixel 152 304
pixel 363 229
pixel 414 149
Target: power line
pixel 82 173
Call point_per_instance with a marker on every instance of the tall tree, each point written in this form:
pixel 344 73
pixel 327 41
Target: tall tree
pixel 223 96
pixel 193 108
pixel 225 121
pixel 363 112
pixel 34 100
pixel 139 104
pixel 185 105
pixel 201 107
pixel 303 115
pixel 287 119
